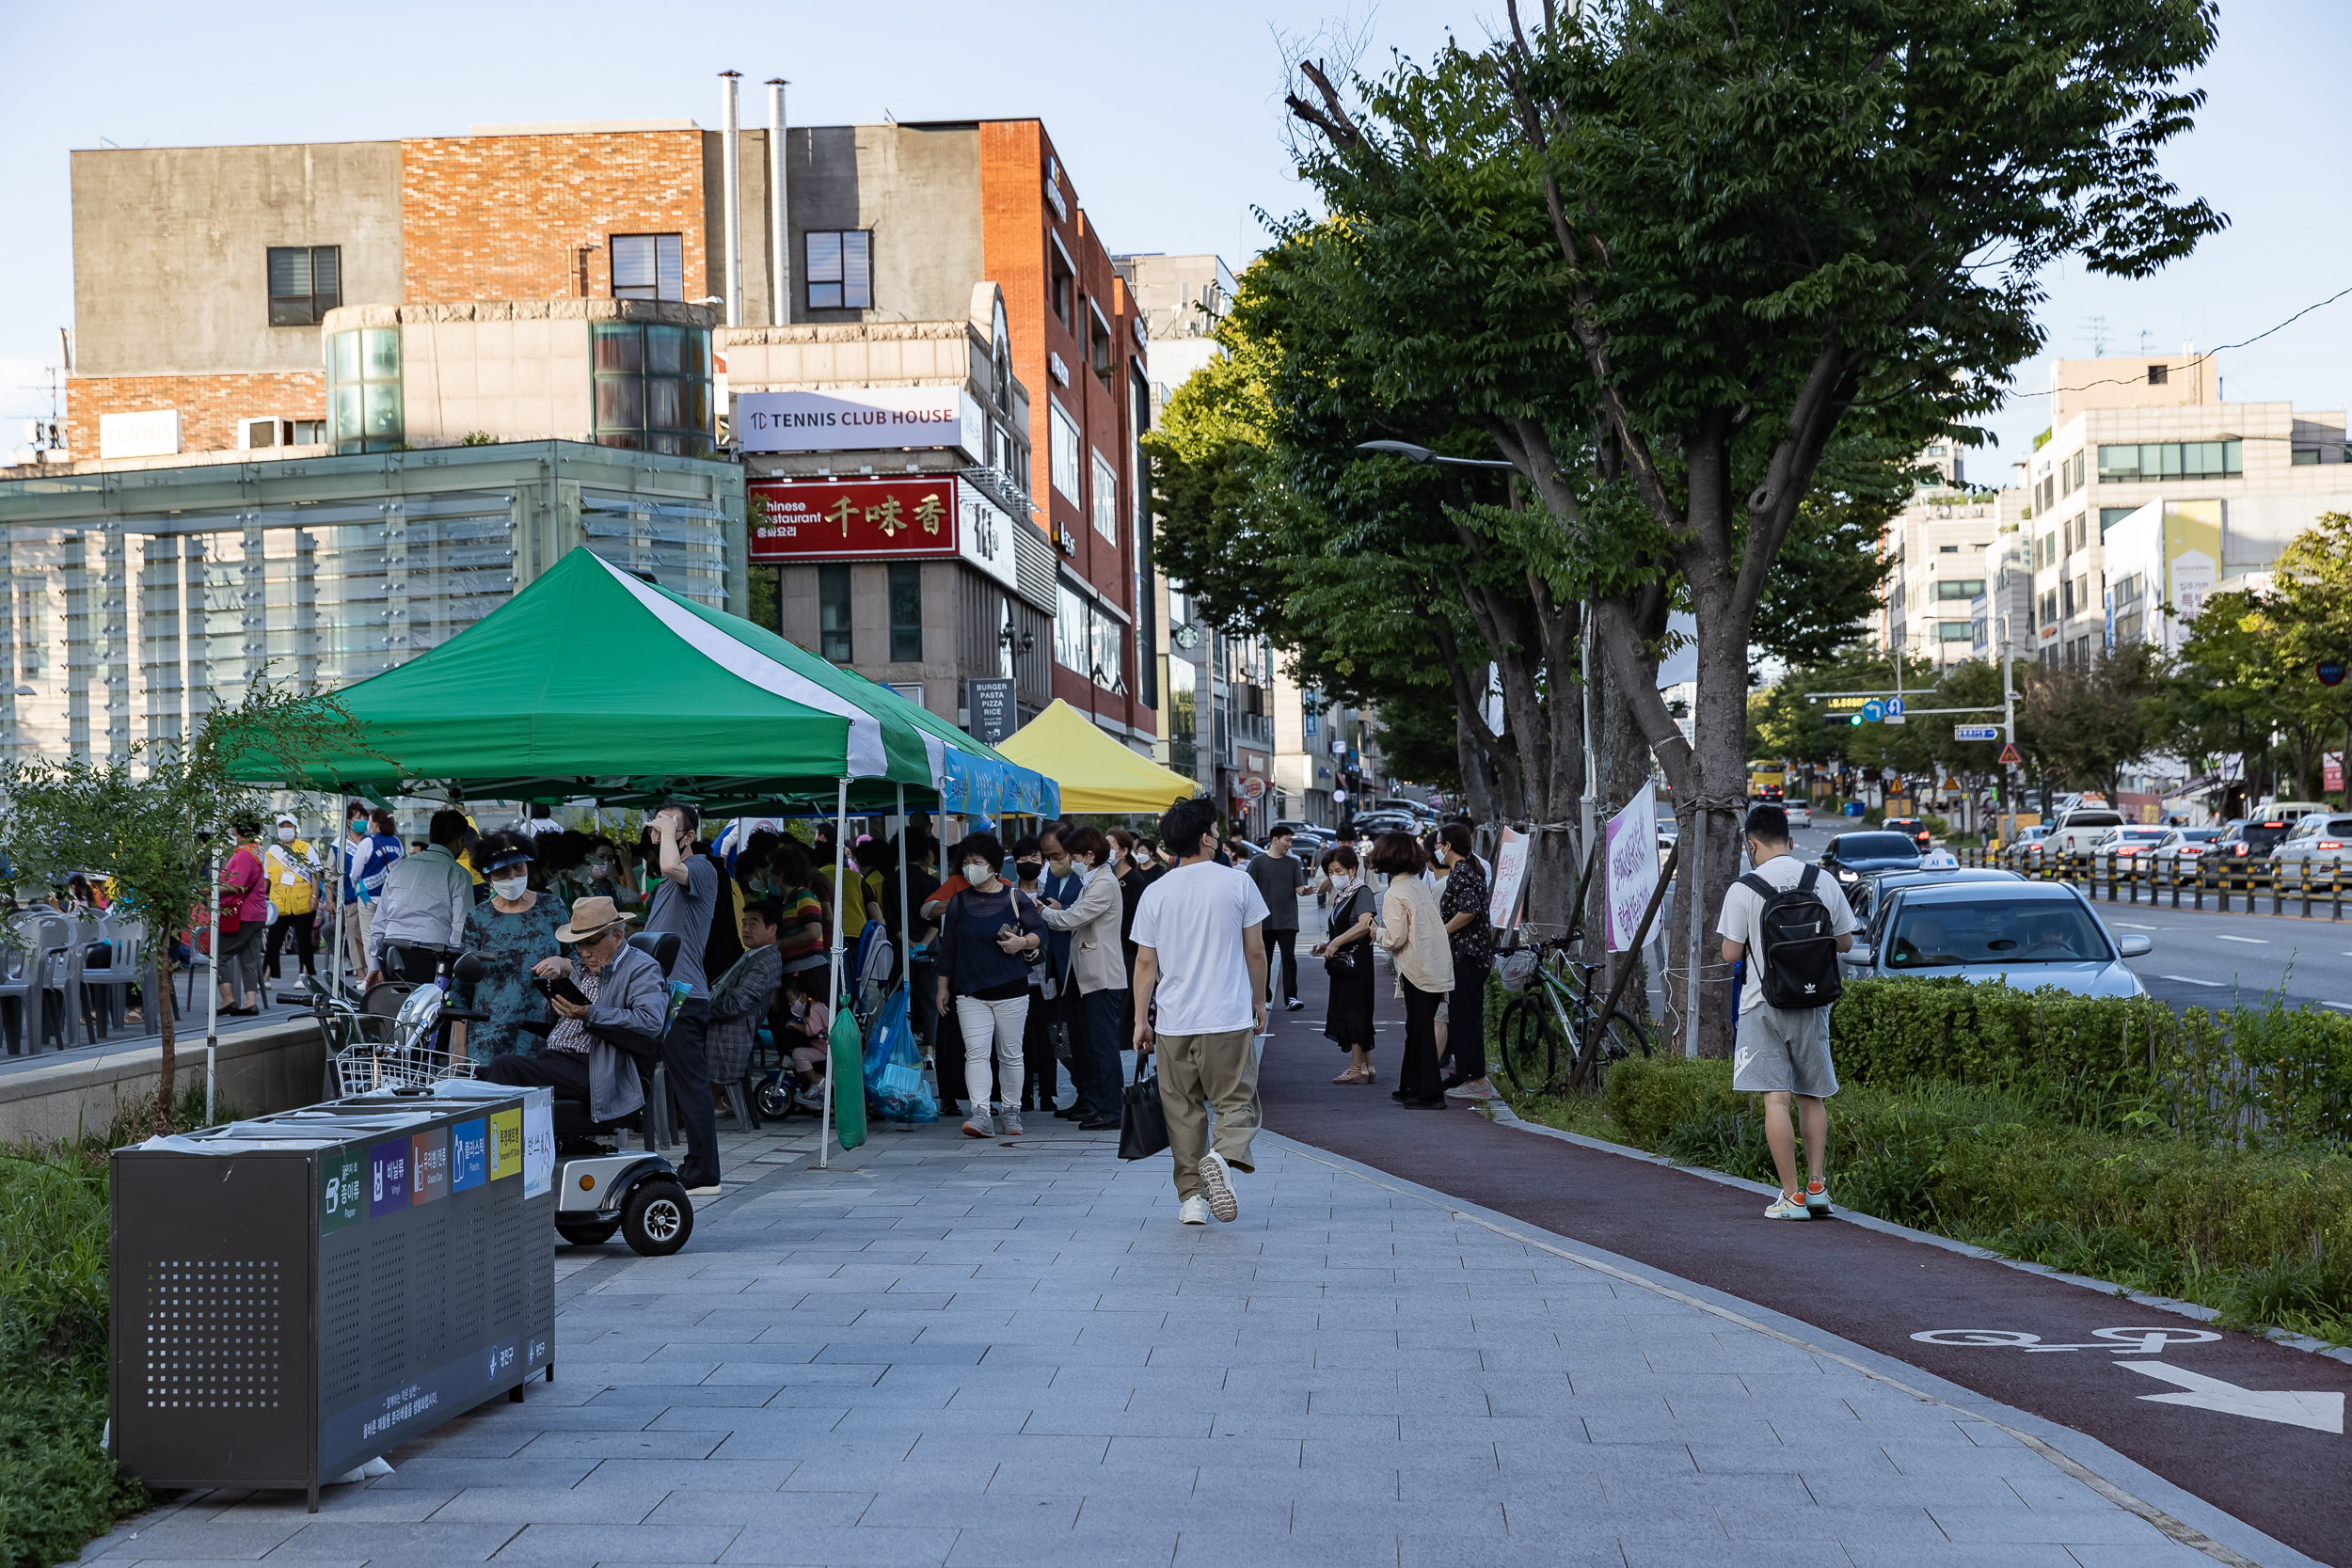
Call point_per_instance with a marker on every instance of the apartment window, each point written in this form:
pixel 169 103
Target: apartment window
pixel 1105 648
pixel 2066 598
pixel 1106 499
pixel 2110 515
pixel 649 266
pixel 906 613
pixel 840 269
pixel 306 281
pixel 2172 460
pixel 2050 608
pixel 1098 341
pixel 363 407
pixel 833 614
pixel 1959 588
pixel 2159 374
pixel 1065 456
pixel 652 388
pixel 1072 646
pixel 1064 288
pixel 1948 550
pixel 2303 457
pixel 1954 631
pixel 2127 591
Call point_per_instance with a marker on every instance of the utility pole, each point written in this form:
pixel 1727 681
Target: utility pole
pixel 2008 716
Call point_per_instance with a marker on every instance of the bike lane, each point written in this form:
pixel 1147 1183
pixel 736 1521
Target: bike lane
pixel 2253 1427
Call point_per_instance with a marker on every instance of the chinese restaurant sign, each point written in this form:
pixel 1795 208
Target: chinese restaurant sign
pixel 851 518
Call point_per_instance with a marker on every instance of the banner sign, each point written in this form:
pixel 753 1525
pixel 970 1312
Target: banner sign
pixel 864 419
pixel 849 520
pixel 1630 848
pixel 1503 904
pixel 993 709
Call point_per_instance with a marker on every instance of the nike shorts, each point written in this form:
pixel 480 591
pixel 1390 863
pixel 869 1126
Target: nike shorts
pixel 1784 1049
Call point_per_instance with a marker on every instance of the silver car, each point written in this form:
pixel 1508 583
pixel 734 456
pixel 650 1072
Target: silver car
pixel 2320 839
pixel 2028 934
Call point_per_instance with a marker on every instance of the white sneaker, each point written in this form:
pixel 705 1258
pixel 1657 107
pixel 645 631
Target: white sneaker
pixel 1477 1088
pixel 1194 1211
pixel 1216 1185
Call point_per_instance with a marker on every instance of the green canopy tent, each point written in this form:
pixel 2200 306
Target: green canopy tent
pixel 593 684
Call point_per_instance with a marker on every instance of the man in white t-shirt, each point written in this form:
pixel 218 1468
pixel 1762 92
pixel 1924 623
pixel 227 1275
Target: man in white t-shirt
pixel 1782 1051
pixel 1200 973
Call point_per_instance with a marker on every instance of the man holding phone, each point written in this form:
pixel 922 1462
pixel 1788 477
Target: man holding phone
pixel 619 991
pixel 683 902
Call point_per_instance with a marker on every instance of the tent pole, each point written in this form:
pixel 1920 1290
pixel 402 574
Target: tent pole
pixel 906 915
pixel 341 862
pixel 212 993
pixel 833 993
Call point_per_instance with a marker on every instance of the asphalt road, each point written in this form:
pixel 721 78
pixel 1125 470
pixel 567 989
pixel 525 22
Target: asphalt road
pixel 2205 959
pixel 2069 1354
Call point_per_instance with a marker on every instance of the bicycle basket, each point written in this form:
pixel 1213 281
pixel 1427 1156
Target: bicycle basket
pixel 1517 969
pixel 373 1064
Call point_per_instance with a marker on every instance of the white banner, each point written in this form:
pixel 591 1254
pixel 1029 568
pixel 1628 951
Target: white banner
pixel 1502 903
pixel 860 419
pixel 986 537
pixel 1631 849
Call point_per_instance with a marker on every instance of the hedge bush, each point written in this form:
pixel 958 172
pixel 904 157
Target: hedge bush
pixel 2264 1236
pixel 2265 1075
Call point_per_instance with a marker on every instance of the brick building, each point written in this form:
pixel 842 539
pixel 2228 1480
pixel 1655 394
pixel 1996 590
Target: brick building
pixel 205 278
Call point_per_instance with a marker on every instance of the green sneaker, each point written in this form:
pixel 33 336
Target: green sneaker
pixel 1789 1205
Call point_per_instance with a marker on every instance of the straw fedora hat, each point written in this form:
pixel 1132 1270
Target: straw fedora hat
pixel 591 919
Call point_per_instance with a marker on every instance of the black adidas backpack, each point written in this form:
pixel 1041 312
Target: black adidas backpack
pixel 1795 952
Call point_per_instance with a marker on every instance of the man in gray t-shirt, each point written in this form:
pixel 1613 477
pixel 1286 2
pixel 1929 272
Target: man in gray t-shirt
pixel 1280 876
pixel 683 902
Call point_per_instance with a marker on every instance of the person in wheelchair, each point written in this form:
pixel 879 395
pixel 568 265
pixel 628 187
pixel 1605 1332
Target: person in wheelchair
pixel 592 1050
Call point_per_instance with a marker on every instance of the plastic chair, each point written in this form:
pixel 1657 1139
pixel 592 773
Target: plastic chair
pixel 123 970
pixel 57 964
pixel 20 973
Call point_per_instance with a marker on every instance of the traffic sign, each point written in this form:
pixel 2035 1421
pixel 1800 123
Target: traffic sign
pixel 2010 757
pixel 1873 710
pixel 1894 708
pixel 1895 719
pixel 1976 732
pixel 2331 671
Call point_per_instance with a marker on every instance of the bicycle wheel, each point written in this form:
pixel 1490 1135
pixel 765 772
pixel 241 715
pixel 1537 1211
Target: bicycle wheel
pixel 1624 1036
pixel 1530 1046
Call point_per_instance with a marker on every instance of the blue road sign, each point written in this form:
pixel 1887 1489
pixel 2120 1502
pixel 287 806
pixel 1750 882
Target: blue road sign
pixel 1873 710
pixel 1894 708
pixel 1976 732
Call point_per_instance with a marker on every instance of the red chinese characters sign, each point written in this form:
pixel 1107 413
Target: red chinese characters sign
pixel 851 518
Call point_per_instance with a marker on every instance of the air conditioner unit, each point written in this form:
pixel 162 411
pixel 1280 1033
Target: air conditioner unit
pixel 266 431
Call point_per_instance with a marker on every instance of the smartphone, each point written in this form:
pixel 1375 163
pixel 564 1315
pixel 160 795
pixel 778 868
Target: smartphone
pixel 561 987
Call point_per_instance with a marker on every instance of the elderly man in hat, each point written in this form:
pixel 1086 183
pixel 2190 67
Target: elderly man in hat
pixel 627 1000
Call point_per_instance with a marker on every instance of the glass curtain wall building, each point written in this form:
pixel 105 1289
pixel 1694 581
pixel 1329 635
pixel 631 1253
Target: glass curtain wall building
pixel 133 601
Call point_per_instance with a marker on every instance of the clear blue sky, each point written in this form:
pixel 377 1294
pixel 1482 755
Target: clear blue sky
pixel 1170 119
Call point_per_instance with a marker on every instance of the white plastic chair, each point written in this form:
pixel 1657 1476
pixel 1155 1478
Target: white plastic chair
pixel 20 972
pixel 123 972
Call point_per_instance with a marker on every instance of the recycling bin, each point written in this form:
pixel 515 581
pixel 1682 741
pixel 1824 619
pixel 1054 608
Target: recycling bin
pixel 299 1293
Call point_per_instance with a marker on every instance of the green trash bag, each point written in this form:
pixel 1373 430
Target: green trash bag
pixel 848 1076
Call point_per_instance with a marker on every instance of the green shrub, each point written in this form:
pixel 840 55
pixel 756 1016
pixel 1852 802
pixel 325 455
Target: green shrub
pixel 2263 1235
pixel 2265 1075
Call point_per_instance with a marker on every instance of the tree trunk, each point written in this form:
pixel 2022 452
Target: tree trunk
pixel 159 999
pixel 1478 783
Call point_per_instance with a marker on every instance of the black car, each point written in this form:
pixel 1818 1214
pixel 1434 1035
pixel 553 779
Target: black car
pixel 2250 840
pixel 1912 827
pixel 1851 857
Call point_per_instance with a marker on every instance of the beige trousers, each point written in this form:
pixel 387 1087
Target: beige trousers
pixel 1199 1073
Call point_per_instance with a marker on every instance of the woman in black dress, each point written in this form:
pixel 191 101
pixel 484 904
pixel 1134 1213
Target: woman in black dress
pixel 1346 955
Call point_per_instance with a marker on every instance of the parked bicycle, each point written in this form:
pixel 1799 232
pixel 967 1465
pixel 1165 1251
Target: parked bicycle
pixel 1546 1025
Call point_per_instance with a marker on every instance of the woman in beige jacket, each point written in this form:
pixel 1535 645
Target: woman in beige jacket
pixel 1412 929
pixel 1098 964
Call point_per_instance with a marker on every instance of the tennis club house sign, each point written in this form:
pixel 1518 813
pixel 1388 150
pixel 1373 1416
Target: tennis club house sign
pixel 861 418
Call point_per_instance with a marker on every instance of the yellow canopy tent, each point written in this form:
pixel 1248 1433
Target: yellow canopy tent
pixel 1097 774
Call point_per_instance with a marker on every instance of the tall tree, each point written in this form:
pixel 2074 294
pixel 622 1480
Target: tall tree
pixel 1753 221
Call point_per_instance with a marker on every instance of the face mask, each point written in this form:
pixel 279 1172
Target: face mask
pixel 976 872
pixel 285 836
pixel 1342 881
pixel 510 888
pixel 1060 862
pixel 599 870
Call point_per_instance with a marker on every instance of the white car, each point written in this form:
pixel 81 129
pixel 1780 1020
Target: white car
pixel 1800 815
pixel 2131 842
pixel 2079 831
pixel 2180 849
pixel 2319 839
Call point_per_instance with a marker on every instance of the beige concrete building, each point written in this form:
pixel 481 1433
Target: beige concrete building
pixel 2125 432
pixel 1936 553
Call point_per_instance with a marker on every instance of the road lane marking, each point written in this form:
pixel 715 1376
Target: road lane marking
pixel 2258 941
pixel 2123 1341
pixel 2192 980
pixel 2138 927
pixel 2295 1408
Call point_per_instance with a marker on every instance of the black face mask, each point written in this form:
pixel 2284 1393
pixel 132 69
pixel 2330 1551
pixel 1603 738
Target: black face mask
pixel 1027 868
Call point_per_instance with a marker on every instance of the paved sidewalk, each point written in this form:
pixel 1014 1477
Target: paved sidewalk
pixel 949 1351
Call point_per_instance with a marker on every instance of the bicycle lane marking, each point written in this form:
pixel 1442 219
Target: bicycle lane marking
pixel 2319 1410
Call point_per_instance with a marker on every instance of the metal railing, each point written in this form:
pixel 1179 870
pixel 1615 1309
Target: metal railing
pixel 2312 890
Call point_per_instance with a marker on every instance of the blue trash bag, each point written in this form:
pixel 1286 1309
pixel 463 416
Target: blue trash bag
pixel 895 1089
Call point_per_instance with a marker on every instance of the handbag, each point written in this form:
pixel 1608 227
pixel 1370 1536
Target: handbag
pixel 1143 1128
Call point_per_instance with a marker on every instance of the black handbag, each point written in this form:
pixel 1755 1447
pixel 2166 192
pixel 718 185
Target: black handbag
pixel 1143 1130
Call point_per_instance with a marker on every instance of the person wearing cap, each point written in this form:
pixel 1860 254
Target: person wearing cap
pixel 293 872
pixel 509 932
pixel 628 1001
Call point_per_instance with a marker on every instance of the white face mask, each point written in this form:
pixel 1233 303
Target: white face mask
pixel 976 872
pixel 285 836
pixel 510 888
pixel 1342 881
pixel 599 870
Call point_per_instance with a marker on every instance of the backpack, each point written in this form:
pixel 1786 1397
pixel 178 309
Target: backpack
pixel 1796 951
